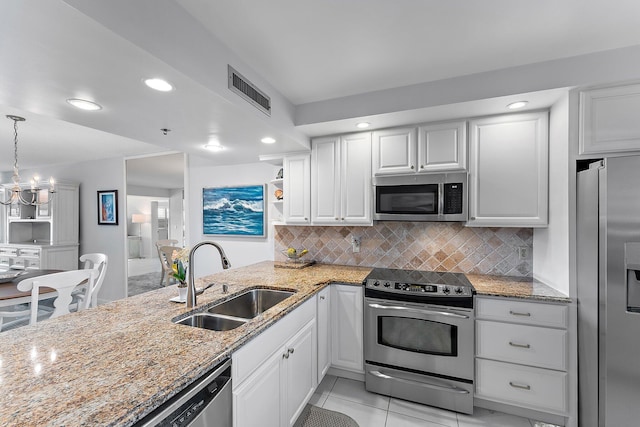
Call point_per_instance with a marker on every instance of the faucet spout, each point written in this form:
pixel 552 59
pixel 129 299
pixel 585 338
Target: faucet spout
pixel 191 287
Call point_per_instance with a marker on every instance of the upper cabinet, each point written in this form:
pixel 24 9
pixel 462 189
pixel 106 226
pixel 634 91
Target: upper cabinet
pixel 608 119
pixel 508 171
pixel 428 148
pixel 296 189
pixel 341 180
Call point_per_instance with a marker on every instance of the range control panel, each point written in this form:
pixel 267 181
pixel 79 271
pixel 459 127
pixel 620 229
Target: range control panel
pixel 419 288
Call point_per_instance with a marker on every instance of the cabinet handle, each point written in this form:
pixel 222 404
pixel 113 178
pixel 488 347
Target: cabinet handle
pixel 321 297
pixel 515 313
pixel 343 219
pixel 421 166
pixel 472 218
pixel 290 351
pixel 285 356
pixel 337 218
pixel 519 345
pixel 523 387
pixel 411 166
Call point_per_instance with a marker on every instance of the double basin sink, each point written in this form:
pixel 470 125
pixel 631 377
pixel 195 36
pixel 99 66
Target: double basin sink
pixel 236 311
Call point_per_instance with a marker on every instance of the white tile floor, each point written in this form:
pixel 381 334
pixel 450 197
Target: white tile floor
pixel 374 410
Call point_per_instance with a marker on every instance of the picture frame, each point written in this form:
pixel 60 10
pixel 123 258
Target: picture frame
pixel 108 207
pixel 234 211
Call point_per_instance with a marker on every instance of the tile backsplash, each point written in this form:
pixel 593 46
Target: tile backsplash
pixel 436 246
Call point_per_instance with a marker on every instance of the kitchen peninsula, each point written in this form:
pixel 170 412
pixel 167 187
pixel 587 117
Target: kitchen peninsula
pixel 114 364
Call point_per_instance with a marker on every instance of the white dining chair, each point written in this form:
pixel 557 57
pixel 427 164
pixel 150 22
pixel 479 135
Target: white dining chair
pixel 167 263
pixel 19 313
pixel 64 283
pixel 163 264
pixel 99 263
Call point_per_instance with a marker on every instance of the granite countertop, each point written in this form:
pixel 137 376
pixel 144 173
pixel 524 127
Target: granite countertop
pixel 516 287
pixel 113 364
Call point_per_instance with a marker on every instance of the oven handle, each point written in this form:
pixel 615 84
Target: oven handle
pixel 451 389
pixel 421 311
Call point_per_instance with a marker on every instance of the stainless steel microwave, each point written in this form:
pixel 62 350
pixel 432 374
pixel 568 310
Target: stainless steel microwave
pixel 421 197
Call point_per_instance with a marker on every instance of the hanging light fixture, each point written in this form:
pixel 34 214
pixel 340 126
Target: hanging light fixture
pixel 17 194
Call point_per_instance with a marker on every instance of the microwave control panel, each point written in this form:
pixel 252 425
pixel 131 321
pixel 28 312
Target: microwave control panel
pixel 453 195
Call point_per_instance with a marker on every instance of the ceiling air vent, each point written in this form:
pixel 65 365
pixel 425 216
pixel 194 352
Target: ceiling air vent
pixel 247 90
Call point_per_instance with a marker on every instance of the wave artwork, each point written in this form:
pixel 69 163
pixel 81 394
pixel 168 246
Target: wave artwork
pixel 233 211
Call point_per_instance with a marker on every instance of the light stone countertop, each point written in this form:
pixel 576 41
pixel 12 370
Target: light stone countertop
pixel 114 364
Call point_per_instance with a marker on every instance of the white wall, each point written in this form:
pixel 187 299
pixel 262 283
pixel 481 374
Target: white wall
pixel 106 174
pixel 551 244
pixel 241 251
pixel 176 215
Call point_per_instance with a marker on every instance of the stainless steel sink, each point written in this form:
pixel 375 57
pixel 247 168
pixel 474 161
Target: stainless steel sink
pixel 214 323
pixel 251 303
pixel 237 311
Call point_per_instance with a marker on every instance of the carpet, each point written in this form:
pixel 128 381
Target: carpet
pixel 143 283
pixel 313 416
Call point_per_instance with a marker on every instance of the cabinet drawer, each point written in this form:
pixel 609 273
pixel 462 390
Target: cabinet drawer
pixel 9 251
pixel 248 358
pixel 534 388
pixel 529 313
pixel 528 345
pixel 35 253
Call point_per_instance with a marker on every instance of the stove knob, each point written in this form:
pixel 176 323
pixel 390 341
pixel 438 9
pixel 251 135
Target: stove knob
pixel 376 283
pixel 387 284
pixel 459 290
pixel 446 290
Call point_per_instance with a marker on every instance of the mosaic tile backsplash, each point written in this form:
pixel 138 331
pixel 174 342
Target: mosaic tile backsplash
pixel 436 246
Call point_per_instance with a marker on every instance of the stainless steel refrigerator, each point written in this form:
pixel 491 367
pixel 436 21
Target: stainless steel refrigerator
pixel 608 262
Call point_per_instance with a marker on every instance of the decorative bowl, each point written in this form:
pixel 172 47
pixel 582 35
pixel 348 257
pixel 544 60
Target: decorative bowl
pixel 294 254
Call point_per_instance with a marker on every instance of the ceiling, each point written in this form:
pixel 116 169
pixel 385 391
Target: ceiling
pixel 302 51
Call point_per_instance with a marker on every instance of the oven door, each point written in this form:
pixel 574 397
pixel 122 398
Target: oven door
pixel 431 339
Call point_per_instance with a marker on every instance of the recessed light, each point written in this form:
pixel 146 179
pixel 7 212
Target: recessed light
pixel 516 105
pixel 83 104
pixel 268 140
pixel 214 147
pixel 363 125
pixel 159 84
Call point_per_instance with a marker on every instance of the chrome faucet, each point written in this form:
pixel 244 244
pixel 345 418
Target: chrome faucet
pixel 191 287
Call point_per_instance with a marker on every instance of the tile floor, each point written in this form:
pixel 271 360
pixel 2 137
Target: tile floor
pixel 374 410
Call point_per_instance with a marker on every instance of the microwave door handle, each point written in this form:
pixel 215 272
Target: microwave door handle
pixel 452 389
pixel 419 311
pixel 440 199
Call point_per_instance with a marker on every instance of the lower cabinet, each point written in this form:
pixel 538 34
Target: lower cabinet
pixel 346 327
pixel 275 374
pixel 522 354
pixel 324 332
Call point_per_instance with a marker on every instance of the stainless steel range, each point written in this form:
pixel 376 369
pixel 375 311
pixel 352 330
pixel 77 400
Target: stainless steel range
pixel 419 337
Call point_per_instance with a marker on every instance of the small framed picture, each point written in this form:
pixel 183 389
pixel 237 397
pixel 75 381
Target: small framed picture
pixel 108 207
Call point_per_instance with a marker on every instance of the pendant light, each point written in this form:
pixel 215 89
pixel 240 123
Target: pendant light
pixel 17 193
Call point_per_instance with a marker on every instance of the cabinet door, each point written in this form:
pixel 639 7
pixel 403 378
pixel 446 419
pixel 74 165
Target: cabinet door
pixel 257 401
pixel 442 147
pixel 346 327
pixel 508 171
pixel 394 151
pixel 324 325
pixel 300 372
pixel 356 179
pixel 325 181
pixel 296 188
pixel 609 120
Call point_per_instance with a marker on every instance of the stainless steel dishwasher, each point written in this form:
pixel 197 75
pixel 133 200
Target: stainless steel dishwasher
pixel 206 403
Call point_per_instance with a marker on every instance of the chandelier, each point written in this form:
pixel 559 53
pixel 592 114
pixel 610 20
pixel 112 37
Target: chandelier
pixel 18 194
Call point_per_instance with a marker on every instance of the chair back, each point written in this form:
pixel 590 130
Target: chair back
pixel 165 256
pixel 165 242
pixel 97 262
pixel 64 283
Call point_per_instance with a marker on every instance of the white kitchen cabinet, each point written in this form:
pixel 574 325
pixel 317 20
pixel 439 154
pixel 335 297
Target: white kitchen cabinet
pixel 508 171
pixel 432 147
pixel 341 180
pixel 609 120
pixel 520 361
pixel 275 374
pixel 324 332
pixel 296 189
pixel 394 151
pixel 442 147
pixel 346 328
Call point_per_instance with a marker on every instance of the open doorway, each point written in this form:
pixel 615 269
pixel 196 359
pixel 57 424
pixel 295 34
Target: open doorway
pixel 155 211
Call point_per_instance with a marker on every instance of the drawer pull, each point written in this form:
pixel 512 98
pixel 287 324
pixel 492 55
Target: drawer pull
pixel 523 387
pixel 512 344
pixel 515 313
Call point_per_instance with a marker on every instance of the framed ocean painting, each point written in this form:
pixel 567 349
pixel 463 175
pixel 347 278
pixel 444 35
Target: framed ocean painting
pixel 234 211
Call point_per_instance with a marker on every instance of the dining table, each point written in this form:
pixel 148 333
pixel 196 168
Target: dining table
pixel 10 295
